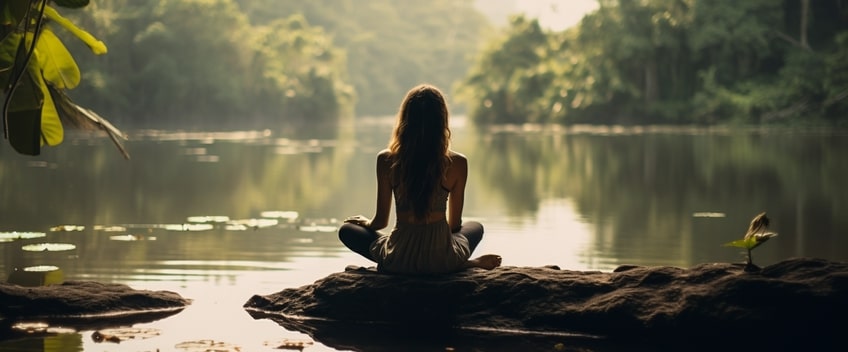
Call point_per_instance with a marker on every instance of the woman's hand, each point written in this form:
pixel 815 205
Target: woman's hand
pixel 359 220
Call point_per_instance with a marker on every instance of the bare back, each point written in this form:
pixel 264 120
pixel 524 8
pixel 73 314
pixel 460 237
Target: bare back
pixel 456 177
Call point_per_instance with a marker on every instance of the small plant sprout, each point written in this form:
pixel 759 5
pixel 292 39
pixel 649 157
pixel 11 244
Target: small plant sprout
pixel 757 234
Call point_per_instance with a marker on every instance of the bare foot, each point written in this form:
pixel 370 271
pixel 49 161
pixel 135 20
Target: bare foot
pixel 488 262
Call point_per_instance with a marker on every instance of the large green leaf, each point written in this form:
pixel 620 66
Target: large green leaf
pixel 57 65
pixel 31 115
pixel 52 131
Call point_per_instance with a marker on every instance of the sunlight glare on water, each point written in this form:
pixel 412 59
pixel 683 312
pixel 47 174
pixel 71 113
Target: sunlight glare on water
pixel 555 236
pixel 216 311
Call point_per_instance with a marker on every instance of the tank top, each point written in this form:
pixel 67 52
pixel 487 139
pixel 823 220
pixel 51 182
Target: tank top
pixel 440 202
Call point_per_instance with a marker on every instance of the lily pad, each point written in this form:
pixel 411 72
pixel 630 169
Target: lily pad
pixel 207 345
pixel 40 328
pixel 188 227
pixel 31 327
pixel 67 228
pixel 208 218
pixel 41 268
pixel 20 235
pixel 48 247
pixel 39 275
pixel 131 238
pixel 110 228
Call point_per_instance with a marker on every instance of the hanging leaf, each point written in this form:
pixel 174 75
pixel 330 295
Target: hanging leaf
pixel 81 118
pixel 24 131
pixel 57 65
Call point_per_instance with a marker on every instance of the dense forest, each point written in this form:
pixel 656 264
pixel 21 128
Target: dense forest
pixel 671 61
pixel 263 63
pixel 267 63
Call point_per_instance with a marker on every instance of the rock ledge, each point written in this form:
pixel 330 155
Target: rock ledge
pixel 86 301
pixel 800 299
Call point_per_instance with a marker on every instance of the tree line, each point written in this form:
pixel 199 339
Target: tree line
pixel 257 63
pixel 308 62
pixel 670 61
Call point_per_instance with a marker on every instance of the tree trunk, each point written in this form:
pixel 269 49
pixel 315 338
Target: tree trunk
pixel 652 89
pixel 805 9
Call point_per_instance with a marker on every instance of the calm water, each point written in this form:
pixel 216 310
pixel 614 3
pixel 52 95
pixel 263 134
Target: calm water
pixel 585 198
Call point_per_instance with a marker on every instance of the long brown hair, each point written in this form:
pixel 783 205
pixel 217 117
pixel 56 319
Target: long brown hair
pixel 420 147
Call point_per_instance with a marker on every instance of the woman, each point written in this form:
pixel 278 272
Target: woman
pixel 428 181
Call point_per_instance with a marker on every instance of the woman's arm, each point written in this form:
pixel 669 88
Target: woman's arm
pixel 457 178
pixel 384 192
pixel 384 196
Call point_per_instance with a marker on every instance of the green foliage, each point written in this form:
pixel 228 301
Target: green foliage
pixel 510 75
pixel 671 61
pixel 36 68
pixel 184 63
pixel 391 45
pixel 835 80
pixel 232 63
pixel 300 61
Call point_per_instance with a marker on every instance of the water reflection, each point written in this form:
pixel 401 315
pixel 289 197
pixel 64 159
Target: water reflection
pixel 48 342
pixel 639 191
pixel 262 215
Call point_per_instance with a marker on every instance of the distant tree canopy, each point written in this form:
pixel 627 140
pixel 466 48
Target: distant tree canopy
pixel 391 45
pixel 259 62
pixel 185 62
pixel 671 61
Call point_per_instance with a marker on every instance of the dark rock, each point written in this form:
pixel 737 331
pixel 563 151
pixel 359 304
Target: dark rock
pixel 86 303
pixel 799 300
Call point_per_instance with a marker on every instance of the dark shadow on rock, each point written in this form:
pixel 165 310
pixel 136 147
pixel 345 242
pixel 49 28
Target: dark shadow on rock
pixel 378 337
pixel 82 323
pixel 719 305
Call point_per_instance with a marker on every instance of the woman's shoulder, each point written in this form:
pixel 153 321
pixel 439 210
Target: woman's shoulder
pixel 457 156
pixel 384 157
pixel 384 154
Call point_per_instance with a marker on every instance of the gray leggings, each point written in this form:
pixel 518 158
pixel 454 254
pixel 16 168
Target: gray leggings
pixel 359 238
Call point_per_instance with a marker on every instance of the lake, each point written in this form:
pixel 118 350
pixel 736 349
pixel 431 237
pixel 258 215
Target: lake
pixel 220 216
